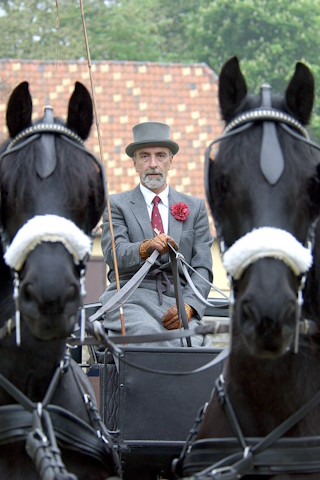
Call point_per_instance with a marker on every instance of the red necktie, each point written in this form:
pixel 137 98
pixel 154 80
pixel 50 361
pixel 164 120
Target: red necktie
pixel 156 217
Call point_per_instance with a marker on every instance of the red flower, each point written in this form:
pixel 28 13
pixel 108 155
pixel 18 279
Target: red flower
pixel 180 211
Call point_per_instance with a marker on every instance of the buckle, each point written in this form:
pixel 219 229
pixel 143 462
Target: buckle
pixel 224 473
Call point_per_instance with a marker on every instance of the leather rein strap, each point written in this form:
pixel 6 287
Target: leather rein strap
pixel 236 465
pixel 40 423
pixel 178 292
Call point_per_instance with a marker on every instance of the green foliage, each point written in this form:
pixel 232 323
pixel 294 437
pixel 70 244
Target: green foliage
pixel 268 36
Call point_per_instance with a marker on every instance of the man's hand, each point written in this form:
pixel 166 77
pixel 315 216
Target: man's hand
pixel 170 318
pixel 159 243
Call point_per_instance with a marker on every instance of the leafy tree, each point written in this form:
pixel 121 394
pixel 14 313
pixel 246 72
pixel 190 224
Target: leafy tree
pixel 268 36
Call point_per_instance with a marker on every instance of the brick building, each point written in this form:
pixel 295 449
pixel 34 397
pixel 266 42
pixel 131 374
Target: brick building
pixel 126 93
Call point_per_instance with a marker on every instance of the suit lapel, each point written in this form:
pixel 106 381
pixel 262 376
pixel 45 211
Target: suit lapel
pixel 175 226
pixel 140 211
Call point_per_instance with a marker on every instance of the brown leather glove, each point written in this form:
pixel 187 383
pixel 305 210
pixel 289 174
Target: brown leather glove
pixel 160 243
pixel 170 318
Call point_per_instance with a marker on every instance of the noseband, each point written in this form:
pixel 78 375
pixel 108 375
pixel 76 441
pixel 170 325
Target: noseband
pixel 47 228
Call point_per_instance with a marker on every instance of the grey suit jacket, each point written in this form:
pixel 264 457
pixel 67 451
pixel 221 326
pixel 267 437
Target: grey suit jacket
pixel 131 225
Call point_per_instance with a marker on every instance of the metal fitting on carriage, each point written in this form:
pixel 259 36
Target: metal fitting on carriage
pixel 65 363
pixel 220 389
pixel 224 473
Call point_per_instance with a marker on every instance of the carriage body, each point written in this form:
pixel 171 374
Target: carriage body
pixel 150 414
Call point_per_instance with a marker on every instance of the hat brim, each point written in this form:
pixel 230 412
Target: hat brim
pixel 132 147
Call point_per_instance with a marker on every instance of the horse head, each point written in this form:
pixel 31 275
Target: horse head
pixel 263 190
pixel 52 196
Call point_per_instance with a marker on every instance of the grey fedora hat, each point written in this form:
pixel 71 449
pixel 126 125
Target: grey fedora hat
pixel 151 134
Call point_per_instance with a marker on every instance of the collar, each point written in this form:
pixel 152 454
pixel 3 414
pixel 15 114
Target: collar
pixel 149 195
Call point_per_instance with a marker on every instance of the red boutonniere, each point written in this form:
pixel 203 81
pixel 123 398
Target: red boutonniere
pixel 180 211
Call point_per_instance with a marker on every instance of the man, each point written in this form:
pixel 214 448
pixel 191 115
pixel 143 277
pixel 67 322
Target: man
pixel 140 227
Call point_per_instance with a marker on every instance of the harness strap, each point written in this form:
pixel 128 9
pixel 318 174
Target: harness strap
pixel 101 430
pixel 42 448
pixel 178 293
pixel 120 297
pixel 289 455
pixel 71 432
pixel 127 290
pixel 244 461
pixel 17 423
pixel 224 400
pixel 112 341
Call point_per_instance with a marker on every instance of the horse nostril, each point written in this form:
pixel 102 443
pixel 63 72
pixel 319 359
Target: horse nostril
pixel 288 317
pixel 27 293
pixel 72 293
pixel 249 316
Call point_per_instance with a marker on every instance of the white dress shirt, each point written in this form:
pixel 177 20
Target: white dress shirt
pixel 163 205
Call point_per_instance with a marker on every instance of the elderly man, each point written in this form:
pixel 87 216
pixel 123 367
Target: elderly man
pixel 148 218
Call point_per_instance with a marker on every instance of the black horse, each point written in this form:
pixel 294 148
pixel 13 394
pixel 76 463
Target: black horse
pixel 263 189
pixel 52 196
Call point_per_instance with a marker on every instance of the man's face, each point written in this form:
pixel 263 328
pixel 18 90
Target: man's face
pixel 152 164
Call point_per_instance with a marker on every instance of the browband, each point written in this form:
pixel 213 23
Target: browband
pixel 266 114
pixel 44 128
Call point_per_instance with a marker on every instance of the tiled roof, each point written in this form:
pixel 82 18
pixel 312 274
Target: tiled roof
pixel 126 93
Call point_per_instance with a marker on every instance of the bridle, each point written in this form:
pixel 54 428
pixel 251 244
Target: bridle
pixel 238 257
pixel 46 228
pixel 245 121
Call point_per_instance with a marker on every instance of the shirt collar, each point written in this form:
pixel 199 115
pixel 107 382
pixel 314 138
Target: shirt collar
pixel 149 195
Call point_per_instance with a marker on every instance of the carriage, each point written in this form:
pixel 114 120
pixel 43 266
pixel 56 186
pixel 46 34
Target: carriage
pixel 150 425
pixel 270 345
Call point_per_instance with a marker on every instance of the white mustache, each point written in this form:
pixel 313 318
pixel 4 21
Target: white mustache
pixel 152 171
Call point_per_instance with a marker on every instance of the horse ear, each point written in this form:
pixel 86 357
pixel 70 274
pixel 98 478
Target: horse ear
pixel 300 93
pixel 232 88
pixel 80 113
pixel 19 109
